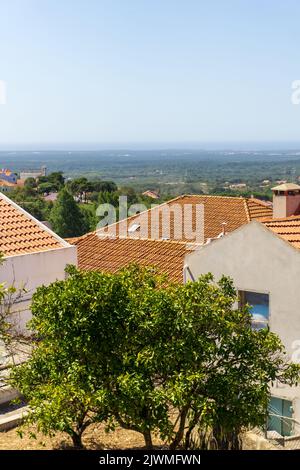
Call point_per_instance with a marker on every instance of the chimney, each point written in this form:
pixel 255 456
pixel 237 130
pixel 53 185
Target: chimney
pixel 224 228
pixel 286 200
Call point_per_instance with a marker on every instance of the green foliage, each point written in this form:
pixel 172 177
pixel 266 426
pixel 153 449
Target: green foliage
pixel 56 179
pixel 32 202
pixel 8 333
pixel 86 190
pixel 66 217
pixel 80 187
pixel 99 186
pixel 89 214
pixel 38 208
pixel 127 350
pixel 30 183
pixel 107 197
pixel 4 324
pixel 113 198
pixel 47 187
pixel 50 183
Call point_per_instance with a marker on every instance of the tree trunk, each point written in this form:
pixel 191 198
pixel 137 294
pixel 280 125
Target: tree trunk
pixel 148 440
pixel 77 442
pixel 179 435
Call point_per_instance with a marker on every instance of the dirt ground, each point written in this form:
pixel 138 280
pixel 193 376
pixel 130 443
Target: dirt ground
pixel 95 438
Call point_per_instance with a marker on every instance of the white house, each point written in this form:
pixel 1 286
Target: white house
pixel 33 255
pixel 263 259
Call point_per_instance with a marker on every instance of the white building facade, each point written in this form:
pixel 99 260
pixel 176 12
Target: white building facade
pixel 265 270
pixel 32 255
pixel 263 260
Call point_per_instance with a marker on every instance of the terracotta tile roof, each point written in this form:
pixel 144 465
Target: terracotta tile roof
pixel 234 211
pixel 7 183
pixel 259 209
pixel 20 233
pixel 107 254
pixel 111 255
pixel 152 194
pixel 287 228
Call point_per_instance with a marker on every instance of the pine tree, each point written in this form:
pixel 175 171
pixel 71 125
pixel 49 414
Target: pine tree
pixel 66 217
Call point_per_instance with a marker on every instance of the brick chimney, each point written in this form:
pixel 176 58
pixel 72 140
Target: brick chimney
pixel 286 200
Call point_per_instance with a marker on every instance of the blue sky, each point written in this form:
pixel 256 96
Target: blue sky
pixel 114 71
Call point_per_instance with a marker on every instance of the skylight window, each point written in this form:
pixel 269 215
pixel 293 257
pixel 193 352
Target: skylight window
pixel 133 228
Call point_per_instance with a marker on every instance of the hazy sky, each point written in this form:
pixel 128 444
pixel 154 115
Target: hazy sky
pixel 149 70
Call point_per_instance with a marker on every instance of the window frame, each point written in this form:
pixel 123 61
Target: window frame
pixel 241 302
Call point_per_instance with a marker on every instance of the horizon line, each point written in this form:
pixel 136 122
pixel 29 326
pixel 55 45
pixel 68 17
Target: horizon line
pixel 242 145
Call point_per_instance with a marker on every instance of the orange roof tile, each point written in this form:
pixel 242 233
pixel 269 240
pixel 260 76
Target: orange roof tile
pixel 259 209
pixel 107 254
pixel 287 228
pixel 7 183
pixel 111 255
pixel 234 211
pixel 20 233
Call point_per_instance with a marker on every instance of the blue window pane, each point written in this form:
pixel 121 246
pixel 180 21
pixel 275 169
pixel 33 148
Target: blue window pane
pixel 280 416
pixel 259 308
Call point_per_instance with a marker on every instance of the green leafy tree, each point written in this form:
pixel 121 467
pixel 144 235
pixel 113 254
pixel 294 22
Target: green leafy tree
pixel 10 335
pixel 131 351
pixel 132 197
pixel 30 183
pixel 80 187
pixel 56 178
pixel 61 394
pixel 64 382
pixel 31 202
pixel 100 186
pixel 107 197
pixel 42 179
pixel 66 218
pixel 47 187
pixel 35 208
pixel 89 214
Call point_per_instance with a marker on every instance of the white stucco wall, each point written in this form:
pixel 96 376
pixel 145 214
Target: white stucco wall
pixel 33 270
pixel 258 260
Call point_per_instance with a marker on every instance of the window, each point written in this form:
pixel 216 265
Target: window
pixel 280 416
pixel 259 304
pixel 133 228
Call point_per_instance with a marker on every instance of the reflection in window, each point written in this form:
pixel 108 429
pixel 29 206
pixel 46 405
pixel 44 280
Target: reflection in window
pixel 259 304
pixel 280 416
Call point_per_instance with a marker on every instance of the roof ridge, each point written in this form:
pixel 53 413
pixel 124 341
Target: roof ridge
pixel 170 202
pixel 247 210
pixel 261 202
pixel 136 215
pixel 28 228
pixel 280 219
pixel 32 218
pixel 215 196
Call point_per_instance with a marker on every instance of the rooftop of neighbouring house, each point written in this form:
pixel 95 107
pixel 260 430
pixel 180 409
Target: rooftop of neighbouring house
pixel 287 228
pixel 111 254
pixel 7 183
pixel 151 194
pixel 20 233
pixel 6 171
pixel 218 210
